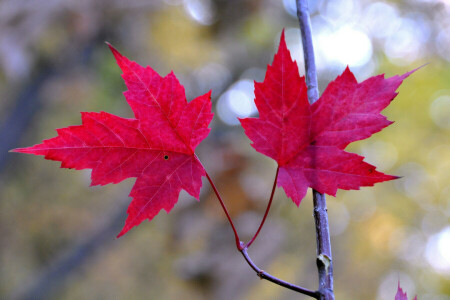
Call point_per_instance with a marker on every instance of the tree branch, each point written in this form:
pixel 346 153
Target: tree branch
pixel 264 275
pixel 324 258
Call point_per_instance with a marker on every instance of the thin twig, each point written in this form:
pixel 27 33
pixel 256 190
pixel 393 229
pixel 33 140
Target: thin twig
pixel 324 258
pixel 264 275
pixel 267 210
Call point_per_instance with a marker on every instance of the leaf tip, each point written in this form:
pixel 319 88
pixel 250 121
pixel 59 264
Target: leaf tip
pixel 113 50
pixel 296 198
pixel 422 66
pixel 209 93
pixel 117 55
pixel 122 232
pixel 348 74
pixel 406 75
pixel 402 295
pixel 282 41
pixel 172 76
pixel 413 71
pixel 21 150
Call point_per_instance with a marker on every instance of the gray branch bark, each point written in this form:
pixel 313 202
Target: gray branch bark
pixel 324 258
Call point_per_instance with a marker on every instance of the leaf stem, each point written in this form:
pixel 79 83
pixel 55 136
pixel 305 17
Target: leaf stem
pixel 267 210
pixel 264 275
pixel 239 244
pixel 243 248
pixel 324 258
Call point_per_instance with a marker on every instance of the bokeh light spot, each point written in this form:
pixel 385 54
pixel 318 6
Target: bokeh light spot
pixel 438 251
pixel 237 102
pixel 344 46
pixel 404 45
pixel 440 111
pixel 201 11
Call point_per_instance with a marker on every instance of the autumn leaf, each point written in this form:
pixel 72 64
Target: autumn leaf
pixel 157 146
pixel 308 141
pixel 401 295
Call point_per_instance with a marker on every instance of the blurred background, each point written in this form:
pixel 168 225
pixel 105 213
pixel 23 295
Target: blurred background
pixel 57 234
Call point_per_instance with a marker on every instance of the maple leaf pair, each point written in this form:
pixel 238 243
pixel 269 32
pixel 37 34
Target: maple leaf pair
pixel 158 145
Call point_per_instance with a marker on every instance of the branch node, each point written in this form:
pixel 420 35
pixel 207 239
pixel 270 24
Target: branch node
pixel 241 246
pixel 325 260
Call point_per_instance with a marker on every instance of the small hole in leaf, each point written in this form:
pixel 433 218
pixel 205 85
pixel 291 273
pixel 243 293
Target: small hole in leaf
pixel 166 157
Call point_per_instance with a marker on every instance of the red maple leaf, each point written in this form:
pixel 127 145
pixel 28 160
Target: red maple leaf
pixel 402 295
pixel 308 141
pixel 157 147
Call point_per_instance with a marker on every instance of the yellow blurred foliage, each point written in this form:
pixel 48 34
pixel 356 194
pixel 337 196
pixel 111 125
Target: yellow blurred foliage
pixel 179 40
